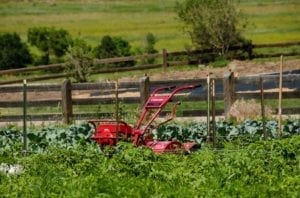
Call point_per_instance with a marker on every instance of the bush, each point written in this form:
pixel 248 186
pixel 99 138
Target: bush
pixel 50 41
pixel 111 47
pixel 220 62
pixel 79 58
pixel 13 52
pixel 149 47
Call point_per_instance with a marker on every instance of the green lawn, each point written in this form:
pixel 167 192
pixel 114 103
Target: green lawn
pixel 269 21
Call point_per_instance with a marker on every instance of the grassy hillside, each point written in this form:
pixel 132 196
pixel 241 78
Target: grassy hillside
pixel 269 21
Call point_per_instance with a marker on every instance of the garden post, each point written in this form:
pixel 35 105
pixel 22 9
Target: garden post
pixel 117 100
pixel 25 145
pixel 208 107
pixel 262 103
pixel 66 102
pixel 280 97
pixel 229 92
pixel 213 110
pixel 165 61
pixel 144 90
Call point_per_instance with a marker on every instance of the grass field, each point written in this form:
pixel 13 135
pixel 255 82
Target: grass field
pixel 269 21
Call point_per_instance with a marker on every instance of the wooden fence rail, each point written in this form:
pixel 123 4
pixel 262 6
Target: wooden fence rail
pixel 167 59
pixel 67 100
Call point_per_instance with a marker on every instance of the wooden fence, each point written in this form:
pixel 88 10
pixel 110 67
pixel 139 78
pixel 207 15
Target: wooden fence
pixel 227 91
pixel 167 59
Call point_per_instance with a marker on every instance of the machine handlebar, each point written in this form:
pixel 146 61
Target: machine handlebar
pixel 175 88
pixel 197 85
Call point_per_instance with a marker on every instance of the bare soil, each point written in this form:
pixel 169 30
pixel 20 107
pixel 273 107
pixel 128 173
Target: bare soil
pixel 241 68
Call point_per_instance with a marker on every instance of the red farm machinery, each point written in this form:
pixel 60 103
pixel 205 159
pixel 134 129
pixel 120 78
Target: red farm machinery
pixel 109 132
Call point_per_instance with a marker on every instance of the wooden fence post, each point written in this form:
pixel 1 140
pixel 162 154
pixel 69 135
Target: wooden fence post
pixel 66 101
pixel 165 61
pixel 229 92
pixel 144 90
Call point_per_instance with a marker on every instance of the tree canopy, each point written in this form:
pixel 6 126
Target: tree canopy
pixel 211 23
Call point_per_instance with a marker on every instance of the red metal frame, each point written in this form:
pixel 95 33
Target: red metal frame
pixel 157 102
pixel 109 132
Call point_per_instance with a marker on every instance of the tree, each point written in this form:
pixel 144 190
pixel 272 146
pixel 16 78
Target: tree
pixel 13 52
pixel 110 47
pixel 50 41
pixel 80 58
pixel 212 23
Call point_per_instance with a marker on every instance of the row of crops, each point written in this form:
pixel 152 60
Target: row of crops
pixel 41 138
pixel 63 162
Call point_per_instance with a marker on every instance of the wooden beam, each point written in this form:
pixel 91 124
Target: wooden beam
pixel 66 101
pixel 229 92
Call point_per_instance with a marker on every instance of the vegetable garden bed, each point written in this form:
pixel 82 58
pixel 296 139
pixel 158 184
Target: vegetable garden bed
pixel 63 162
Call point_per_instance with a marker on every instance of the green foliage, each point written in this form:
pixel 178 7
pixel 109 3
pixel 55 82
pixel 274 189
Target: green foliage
pixel 262 169
pixel 247 131
pixel 80 58
pixel 67 164
pixel 150 47
pixel 41 139
pixel 106 49
pixel 211 24
pixel 273 21
pixel 220 62
pixel 13 52
pixel 50 41
pixel 110 47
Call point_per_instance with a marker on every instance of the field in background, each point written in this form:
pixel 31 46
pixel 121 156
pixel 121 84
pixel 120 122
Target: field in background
pixel 269 21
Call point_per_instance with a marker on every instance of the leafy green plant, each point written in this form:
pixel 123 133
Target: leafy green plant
pixel 40 139
pixel 264 168
pixel 249 131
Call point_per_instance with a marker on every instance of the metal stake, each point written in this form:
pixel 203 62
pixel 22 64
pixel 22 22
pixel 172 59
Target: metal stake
pixel 25 146
pixel 262 102
pixel 117 100
pixel 213 109
pixel 208 108
pixel 280 98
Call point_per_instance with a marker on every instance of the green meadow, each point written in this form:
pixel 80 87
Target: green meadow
pixel 268 21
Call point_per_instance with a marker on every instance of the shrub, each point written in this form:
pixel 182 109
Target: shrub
pixel 50 41
pixel 111 47
pixel 79 58
pixel 149 47
pixel 13 52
